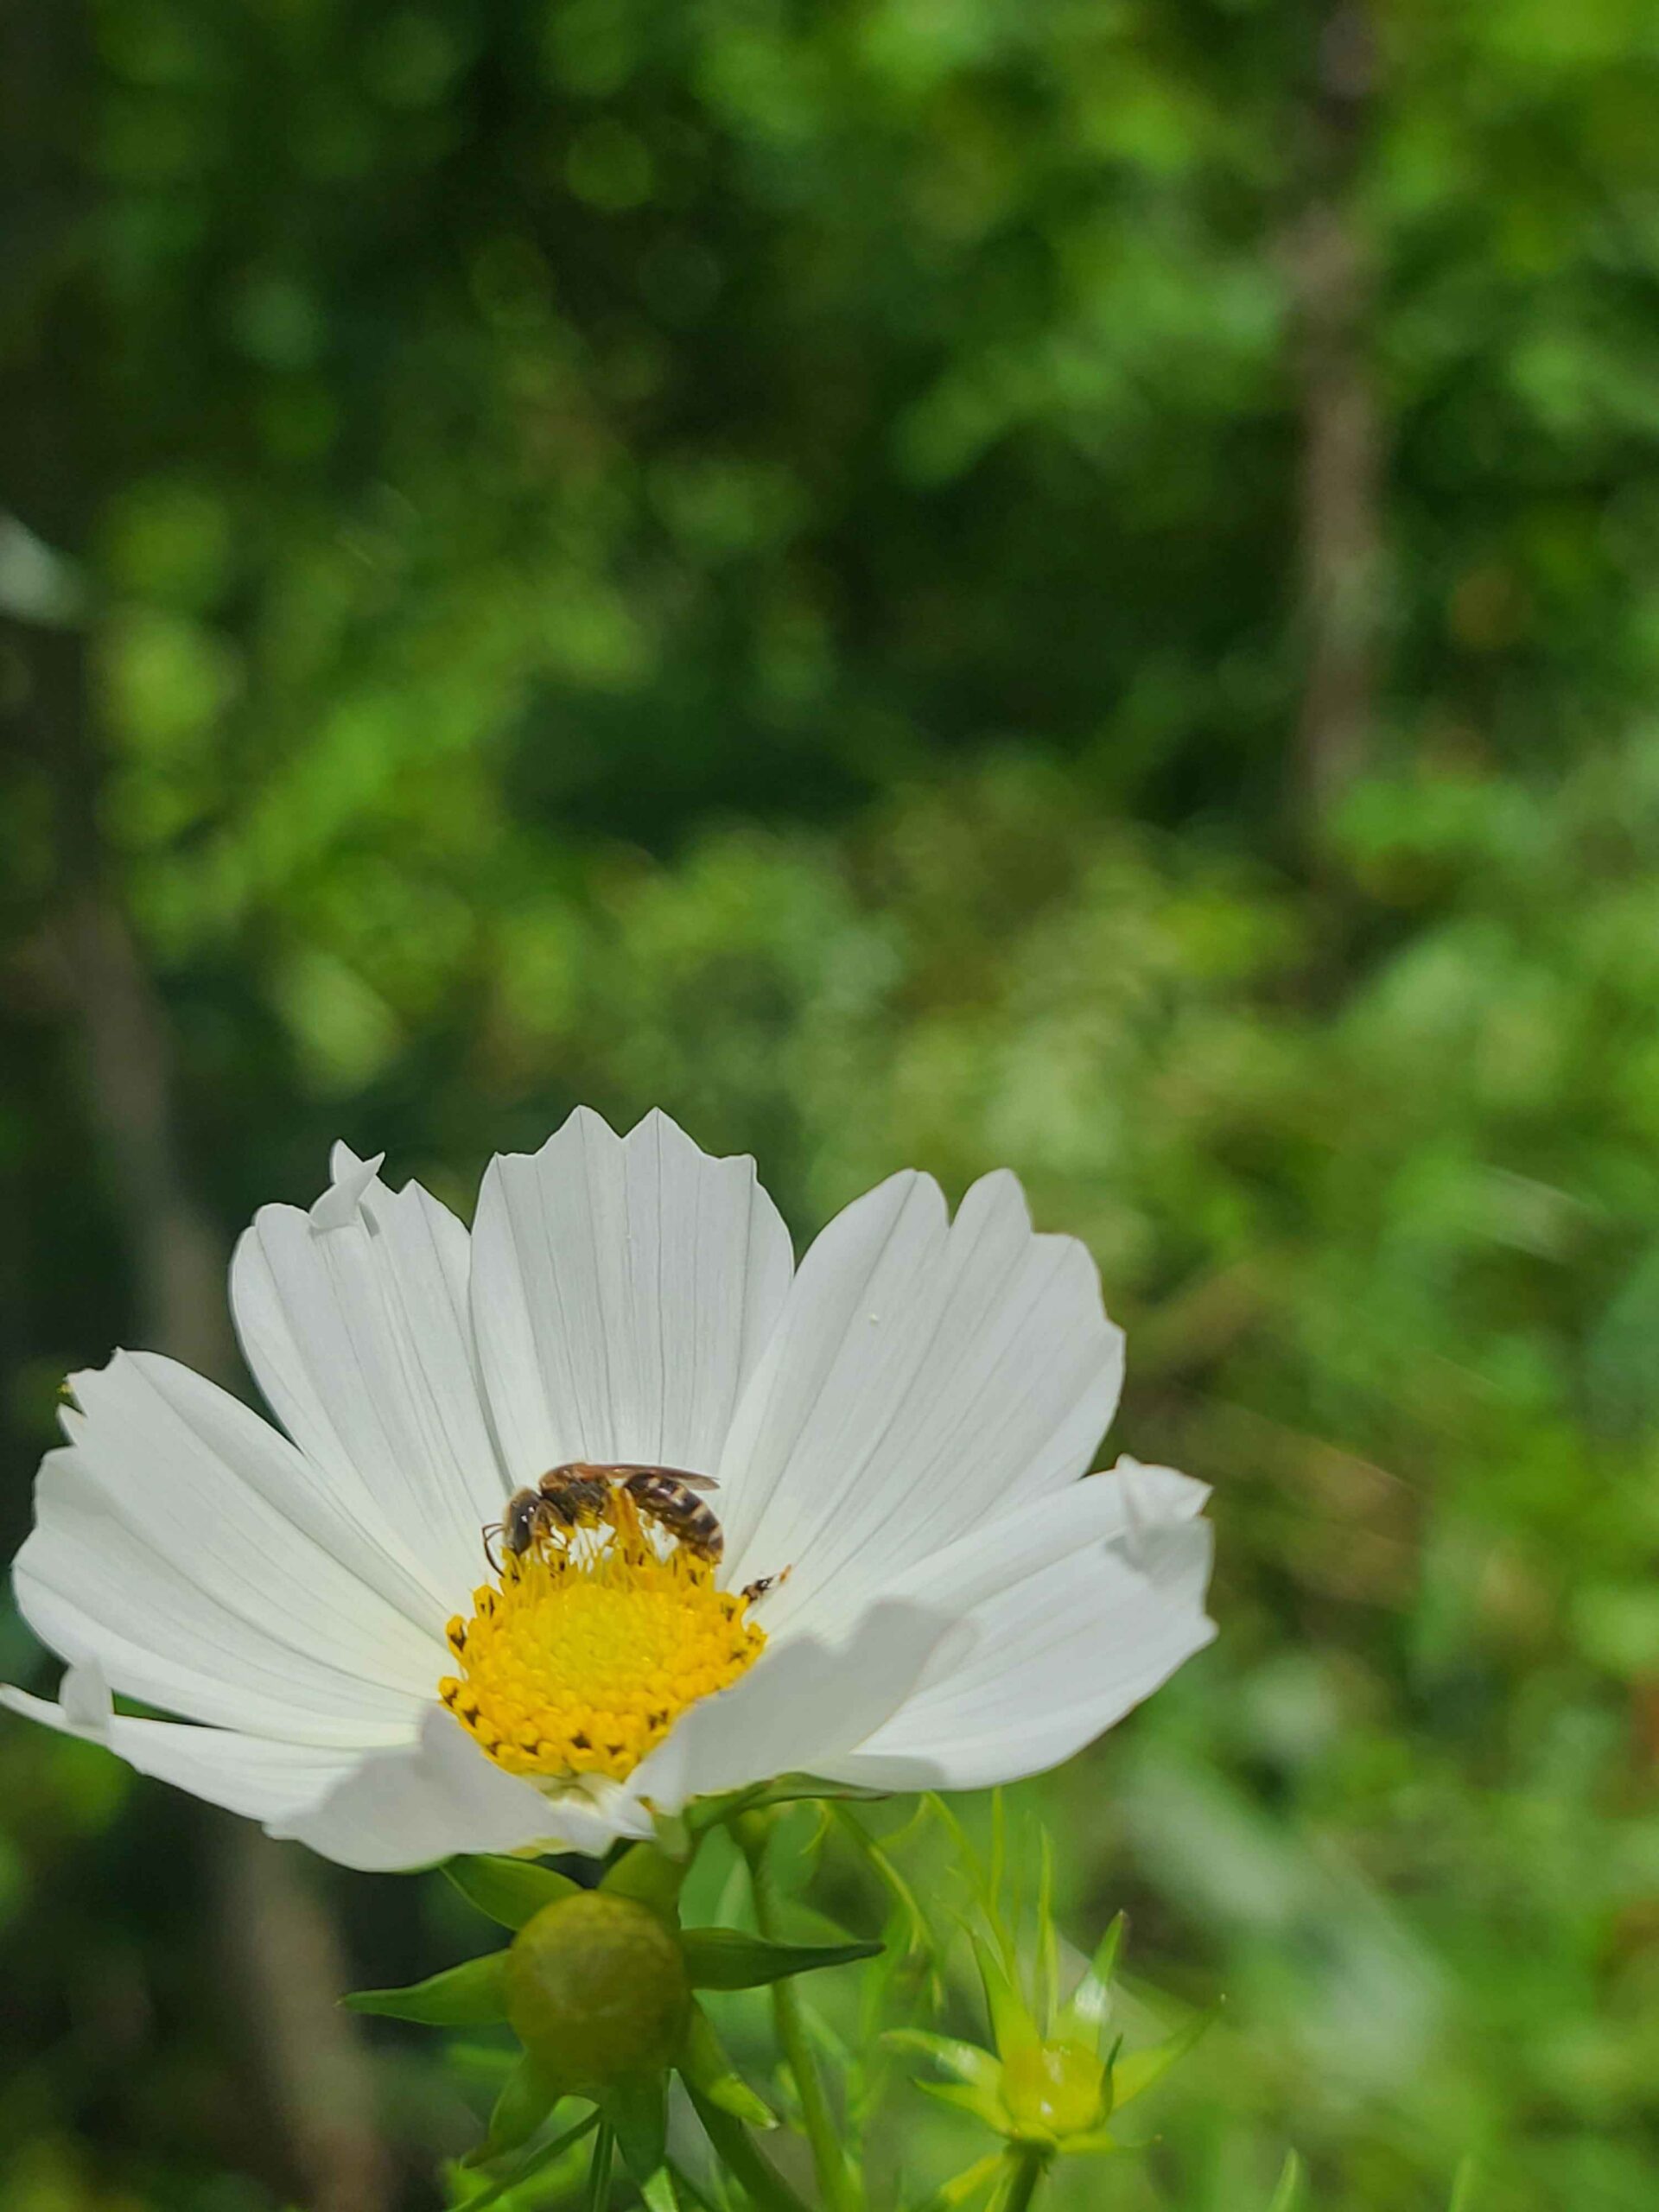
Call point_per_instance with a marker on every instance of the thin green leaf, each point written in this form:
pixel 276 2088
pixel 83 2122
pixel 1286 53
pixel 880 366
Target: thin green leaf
pixel 1133 2075
pixel 596 2193
pixel 879 1858
pixel 998 1861
pixel 727 1958
pixel 1292 2178
pixel 1463 2187
pixel 462 1997
pixel 509 1889
pixel 1048 1940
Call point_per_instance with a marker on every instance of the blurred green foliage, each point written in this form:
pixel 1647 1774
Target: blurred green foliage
pixel 741 556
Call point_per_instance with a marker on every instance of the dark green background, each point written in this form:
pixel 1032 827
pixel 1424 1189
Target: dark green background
pixel 1071 583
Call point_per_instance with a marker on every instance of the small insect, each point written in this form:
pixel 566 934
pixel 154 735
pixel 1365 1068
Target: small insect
pixel 754 1592
pixel 574 1496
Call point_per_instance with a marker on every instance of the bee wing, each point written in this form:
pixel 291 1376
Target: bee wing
pixel 620 1471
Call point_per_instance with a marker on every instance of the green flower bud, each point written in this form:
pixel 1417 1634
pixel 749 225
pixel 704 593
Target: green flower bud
pixel 597 1992
pixel 1052 2090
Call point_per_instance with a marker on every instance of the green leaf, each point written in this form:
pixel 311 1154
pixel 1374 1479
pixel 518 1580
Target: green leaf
pixel 1292 2180
pixel 1135 2074
pixel 966 2060
pixel 727 1958
pixel 511 1891
pixel 462 1997
pixel 1463 2187
pixel 704 2065
pixel 527 2097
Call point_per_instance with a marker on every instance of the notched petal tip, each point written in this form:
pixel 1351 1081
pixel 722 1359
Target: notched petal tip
pixel 352 1178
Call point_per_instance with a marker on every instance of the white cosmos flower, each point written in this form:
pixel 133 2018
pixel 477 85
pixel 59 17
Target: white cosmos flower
pixel 901 1423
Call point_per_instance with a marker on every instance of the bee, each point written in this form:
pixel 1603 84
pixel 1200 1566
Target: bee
pixel 574 1496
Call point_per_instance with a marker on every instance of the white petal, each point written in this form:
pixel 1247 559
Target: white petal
pixel 922 1381
pixel 163 1548
pixel 623 1290
pixel 1062 1652
pixel 1124 1506
pixel 249 1774
pixel 804 1704
pixel 352 1178
pixel 443 1794
pixel 353 1319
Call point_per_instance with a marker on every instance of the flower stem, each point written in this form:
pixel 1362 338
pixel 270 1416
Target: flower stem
pixel 1027 2168
pixel 757 2176
pixel 597 2194
pixel 829 2163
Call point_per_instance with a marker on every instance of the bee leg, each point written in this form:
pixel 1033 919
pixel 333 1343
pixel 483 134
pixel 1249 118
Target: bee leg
pixel 494 1529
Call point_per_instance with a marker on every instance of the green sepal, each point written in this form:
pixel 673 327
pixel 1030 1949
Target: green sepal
pixel 986 2107
pixel 534 2162
pixel 969 2182
pixel 727 1958
pixel 759 2178
pixel 705 2067
pixel 1134 2073
pixel 1085 2017
pixel 466 1996
pixel 509 1890
pixel 526 2098
pixel 966 2060
pixel 650 1876
pixel 1012 2027
pixel 1292 2181
pixel 638 2114
pixel 1096 2144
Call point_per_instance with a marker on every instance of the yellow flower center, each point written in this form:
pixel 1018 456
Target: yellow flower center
pixel 591 1646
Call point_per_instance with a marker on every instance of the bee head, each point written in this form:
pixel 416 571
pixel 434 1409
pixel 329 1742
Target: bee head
pixel 519 1526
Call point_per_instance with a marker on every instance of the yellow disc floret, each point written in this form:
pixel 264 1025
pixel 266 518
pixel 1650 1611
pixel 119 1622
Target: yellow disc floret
pixel 591 1647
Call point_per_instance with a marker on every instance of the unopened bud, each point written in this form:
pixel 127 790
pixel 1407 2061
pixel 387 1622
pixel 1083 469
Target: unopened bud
pixel 1053 2089
pixel 597 1991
